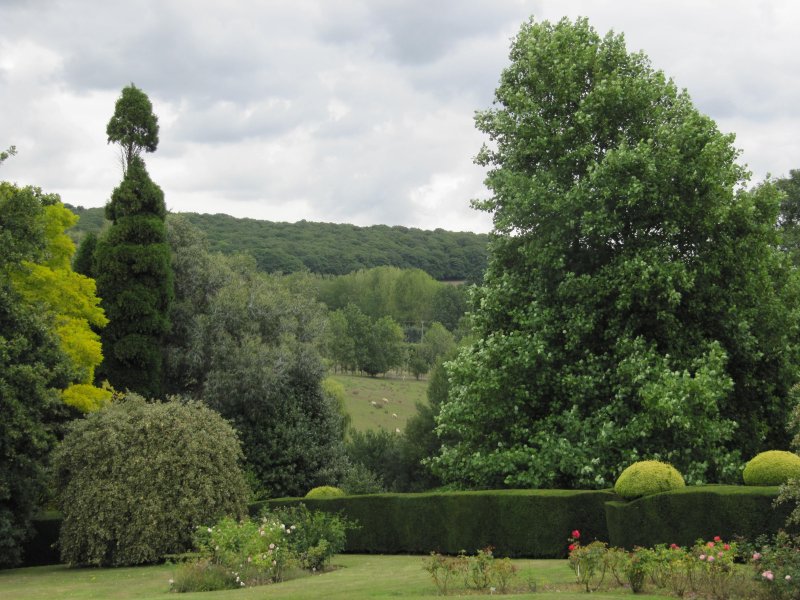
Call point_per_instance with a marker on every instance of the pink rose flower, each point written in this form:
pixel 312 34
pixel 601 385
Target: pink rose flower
pixel 768 575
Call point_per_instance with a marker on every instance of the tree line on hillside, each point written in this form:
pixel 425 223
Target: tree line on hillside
pixel 329 248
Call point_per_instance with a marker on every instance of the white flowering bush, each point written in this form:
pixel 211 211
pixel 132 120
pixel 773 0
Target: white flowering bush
pixel 255 552
pixel 260 551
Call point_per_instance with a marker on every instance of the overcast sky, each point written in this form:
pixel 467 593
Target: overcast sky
pixel 346 111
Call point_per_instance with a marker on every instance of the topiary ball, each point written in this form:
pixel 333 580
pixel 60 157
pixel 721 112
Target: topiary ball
pixel 648 477
pixel 325 491
pixel 773 467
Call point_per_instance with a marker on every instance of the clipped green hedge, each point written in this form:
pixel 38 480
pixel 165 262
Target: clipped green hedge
pixel 531 523
pixel 534 523
pixel 685 515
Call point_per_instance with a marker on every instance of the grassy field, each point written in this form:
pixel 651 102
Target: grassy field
pixel 402 396
pixel 357 577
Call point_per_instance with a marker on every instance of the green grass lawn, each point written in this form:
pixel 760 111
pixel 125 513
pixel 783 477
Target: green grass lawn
pixel 402 396
pixel 356 577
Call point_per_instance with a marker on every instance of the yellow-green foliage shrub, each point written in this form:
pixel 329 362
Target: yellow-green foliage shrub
pixel 648 477
pixel 773 467
pixel 325 491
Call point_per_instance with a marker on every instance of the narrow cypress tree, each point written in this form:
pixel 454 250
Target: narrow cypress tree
pixel 132 260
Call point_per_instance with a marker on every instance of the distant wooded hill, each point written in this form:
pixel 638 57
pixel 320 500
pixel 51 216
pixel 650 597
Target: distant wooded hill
pixel 330 248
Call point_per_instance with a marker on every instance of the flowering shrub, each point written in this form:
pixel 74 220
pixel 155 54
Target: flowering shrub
pixel 776 566
pixel 316 535
pixel 480 572
pixel 255 552
pixel 258 552
pixel 717 575
pixel 442 569
pixel 636 569
pixel 588 562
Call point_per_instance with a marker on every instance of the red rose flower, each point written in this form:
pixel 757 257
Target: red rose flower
pixel 576 534
pixel 571 547
pixel 717 538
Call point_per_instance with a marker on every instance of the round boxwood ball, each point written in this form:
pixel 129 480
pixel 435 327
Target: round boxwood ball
pixel 325 491
pixel 648 477
pixel 773 467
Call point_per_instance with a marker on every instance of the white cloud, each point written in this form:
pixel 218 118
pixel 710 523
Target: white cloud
pixel 356 111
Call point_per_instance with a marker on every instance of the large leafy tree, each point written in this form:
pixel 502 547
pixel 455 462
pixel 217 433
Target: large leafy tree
pixel 33 370
pixel 635 304
pixel 132 262
pixel 247 345
pixel 50 284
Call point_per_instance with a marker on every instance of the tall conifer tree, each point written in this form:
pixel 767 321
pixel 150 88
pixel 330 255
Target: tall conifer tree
pixel 132 260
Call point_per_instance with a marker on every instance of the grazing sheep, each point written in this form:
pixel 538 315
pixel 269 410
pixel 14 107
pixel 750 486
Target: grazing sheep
pixel 397 430
pixel 394 415
pixel 385 400
pixel 374 404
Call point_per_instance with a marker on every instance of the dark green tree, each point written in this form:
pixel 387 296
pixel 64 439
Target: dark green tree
pixel 132 263
pixel 83 261
pixel 635 304
pixel 33 370
pixel 383 347
pixel 247 345
pixel 134 126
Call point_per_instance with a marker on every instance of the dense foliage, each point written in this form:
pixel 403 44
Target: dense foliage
pixel 46 346
pixel 247 345
pixel 332 249
pixel 135 478
pixel 635 303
